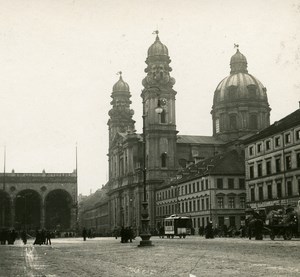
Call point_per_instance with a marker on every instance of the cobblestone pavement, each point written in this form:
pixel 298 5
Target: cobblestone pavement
pixel 193 256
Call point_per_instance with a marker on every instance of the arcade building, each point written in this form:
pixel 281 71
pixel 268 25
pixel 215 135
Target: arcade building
pixel 38 200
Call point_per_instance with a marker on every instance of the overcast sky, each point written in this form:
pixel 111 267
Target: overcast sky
pixel 59 59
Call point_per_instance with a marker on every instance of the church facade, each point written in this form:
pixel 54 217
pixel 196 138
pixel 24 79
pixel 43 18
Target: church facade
pixel 240 108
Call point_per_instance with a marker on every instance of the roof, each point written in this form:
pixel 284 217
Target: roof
pixel 285 123
pixel 95 199
pixel 229 163
pixel 198 139
pixel 14 178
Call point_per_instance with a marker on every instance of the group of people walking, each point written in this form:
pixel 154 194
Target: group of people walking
pixel 10 236
pixel 42 237
pixel 127 234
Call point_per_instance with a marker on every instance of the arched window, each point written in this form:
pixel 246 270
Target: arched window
pixel 253 122
pixel 164 159
pixel 232 122
pixel 163 116
pixel 217 125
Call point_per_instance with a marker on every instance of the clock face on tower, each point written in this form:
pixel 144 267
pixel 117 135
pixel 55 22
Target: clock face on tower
pixel 163 101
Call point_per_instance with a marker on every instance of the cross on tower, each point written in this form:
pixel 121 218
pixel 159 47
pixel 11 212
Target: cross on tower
pixel 236 46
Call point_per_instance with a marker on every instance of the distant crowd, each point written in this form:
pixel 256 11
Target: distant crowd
pixel 43 236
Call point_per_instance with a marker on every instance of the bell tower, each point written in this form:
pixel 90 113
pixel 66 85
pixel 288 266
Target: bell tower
pixel 159 111
pixel 120 120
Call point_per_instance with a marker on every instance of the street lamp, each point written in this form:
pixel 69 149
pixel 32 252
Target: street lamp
pixel 145 234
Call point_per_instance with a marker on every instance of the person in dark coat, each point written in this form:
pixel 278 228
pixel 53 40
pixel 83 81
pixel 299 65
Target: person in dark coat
pixel 38 238
pixel 43 236
pixel 48 237
pixel 123 234
pixel 209 233
pixel 84 234
pixel 24 237
pixel 130 233
pixel 12 235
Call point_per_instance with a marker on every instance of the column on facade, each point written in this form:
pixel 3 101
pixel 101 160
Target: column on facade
pixel 42 220
pixel 12 212
pixel 73 217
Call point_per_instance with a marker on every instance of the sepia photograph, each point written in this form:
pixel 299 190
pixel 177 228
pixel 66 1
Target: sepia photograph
pixel 149 138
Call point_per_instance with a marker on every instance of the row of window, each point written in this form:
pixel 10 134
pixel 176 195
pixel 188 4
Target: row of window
pixel 230 183
pixel 231 202
pixel 233 123
pixel 183 190
pixel 199 186
pixel 184 207
pixel 200 205
pixel 276 141
pixel 274 191
pixel 274 165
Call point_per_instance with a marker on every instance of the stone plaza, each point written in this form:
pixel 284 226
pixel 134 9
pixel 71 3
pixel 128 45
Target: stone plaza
pixel 193 256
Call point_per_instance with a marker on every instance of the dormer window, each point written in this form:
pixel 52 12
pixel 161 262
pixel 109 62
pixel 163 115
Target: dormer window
pixel 232 92
pixel 252 91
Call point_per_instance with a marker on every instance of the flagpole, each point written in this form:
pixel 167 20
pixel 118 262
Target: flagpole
pixel 76 195
pixel 3 202
pixel 4 165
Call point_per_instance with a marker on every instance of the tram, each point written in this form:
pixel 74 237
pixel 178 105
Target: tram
pixel 177 226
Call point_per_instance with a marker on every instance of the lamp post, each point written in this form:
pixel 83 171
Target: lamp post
pixel 145 234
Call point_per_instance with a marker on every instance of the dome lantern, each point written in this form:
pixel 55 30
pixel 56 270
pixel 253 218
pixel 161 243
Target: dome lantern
pixel 238 63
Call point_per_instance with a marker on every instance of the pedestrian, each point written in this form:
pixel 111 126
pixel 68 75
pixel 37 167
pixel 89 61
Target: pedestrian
pixel 116 232
pixel 209 233
pixel 24 237
pixel 38 238
pixel 43 236
pixel 130 233
pixel 84 233
pixel 12 235
pixel 161 232
pixel 48 237
pixel 123 234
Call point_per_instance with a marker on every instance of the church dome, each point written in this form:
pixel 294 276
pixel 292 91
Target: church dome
pixel 239 85
pixel 157 48
pixel 120 85
pixel 240 105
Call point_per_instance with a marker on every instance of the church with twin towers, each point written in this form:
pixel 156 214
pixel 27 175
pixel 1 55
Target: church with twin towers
pixel 240 109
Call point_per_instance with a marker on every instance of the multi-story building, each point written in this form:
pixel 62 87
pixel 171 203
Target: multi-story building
pixel 213 189
pixel 93 213
pixel 273 164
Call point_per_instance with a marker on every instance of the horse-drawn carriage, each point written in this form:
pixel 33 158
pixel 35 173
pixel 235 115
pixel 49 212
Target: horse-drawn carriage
pixel 275 221
pixel 282 222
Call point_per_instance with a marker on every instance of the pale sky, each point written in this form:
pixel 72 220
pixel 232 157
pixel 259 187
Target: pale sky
pixel 59 59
